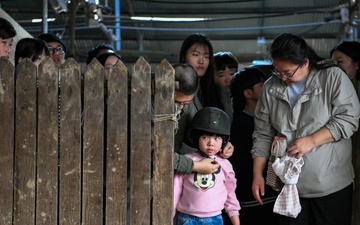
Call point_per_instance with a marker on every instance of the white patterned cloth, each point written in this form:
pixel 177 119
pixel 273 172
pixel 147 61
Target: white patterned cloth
pixel 288 169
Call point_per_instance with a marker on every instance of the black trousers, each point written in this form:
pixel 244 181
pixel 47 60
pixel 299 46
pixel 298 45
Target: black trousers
pixel 333 209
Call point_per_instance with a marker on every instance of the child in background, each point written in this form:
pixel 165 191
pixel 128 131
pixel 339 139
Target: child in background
pixel 32 48
pixel 201 197
pixel 226 66
pixel 7 33
pixel 246 86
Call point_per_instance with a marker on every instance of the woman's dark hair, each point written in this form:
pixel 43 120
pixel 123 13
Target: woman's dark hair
pixel 7 30
pixel 103 57
pixel 209 91
pixel 351 49
pixel 98 50
pixel 293 48
pixel 30 48
pixel 225 59
pixel 242 80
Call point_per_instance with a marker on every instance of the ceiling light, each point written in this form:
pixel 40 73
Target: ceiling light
pixel 167 19
pixel 40 20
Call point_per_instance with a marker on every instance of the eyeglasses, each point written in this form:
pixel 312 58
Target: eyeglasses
pixel 287 75
pixel 182 104
pixel 58 50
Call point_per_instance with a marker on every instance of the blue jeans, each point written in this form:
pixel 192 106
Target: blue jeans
pixel 186 219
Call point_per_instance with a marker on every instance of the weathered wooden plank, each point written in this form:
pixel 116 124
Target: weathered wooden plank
pixel 164 121
pixel 7 104
pixel 47 144
pixel 116 151
pixel 93 139
pixel 70 143
pixel 25 144
pixel 140 143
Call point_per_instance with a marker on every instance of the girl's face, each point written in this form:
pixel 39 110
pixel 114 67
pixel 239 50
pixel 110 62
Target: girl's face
pixel 109 64
pixel 40 58
pixel 210 144
pixel 346 63
pixel 198 56
pixel 224 77
pixel 5 47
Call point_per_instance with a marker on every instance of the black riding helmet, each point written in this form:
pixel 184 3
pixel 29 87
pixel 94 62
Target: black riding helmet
pixel 212 120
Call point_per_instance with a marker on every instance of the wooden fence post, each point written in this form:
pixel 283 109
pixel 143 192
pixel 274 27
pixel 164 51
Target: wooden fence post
pixel 47 144
pixel 70 143
pixel 25 144
pixel 140 143
pixel 117 146
pixel 163 164
pixel 7 104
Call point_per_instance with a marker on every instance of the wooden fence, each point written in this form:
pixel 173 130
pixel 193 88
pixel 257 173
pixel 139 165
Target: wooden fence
pixel 77 151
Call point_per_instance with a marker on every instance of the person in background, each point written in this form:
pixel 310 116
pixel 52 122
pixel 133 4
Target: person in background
pixel 226 65
pixel 312 104
pixel 108 60
pixel 197 51
pixel 33 48
pixel 186 84
pixel 199 198
pixel 56 47
pixel 7 34
pixel 99 50
pixel 347 55
pixel 246 86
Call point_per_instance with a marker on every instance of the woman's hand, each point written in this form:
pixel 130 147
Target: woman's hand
pixel 300 147
pixel 206 166
pixel 227 151
pixel 258 188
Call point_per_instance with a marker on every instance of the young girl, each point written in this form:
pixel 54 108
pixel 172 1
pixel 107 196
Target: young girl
pixel 226 66
pixel 199 198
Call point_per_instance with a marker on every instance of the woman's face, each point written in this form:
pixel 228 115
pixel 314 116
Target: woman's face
pixel 346 63
pixel 109 64
pixel 198 56
pixel 289 72
pixel 224 77
pixel 40 58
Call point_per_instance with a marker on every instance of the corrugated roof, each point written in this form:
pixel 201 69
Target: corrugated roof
pixel 231 25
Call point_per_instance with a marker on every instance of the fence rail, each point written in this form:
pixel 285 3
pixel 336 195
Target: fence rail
pixel 81 150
